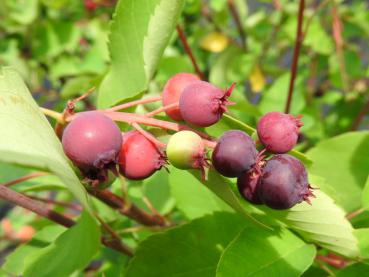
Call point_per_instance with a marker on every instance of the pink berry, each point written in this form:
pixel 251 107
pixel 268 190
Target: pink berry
pixel 203 104
pixel 278 132
pixel 139 158
pixel 92 141
pixel 173 90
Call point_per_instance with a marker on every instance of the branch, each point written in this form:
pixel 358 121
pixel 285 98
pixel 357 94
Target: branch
pixel 25 178
pixel 32 205
pixel 127 209
pixel 337 35
pixel 360 117
pixel 236 18
pixel 296 52
pixel 188 50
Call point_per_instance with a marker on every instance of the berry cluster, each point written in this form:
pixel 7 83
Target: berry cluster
pixel 96 146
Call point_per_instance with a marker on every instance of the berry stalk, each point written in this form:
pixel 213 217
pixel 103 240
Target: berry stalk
pixel 135 103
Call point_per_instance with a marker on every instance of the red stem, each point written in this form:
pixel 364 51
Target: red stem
pixel 135 103
pixel 162 109
pixel 296 52
pixel 188 50
pixel 149 136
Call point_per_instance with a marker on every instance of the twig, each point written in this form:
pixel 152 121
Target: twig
pixel 130 210
pixel 135 103
pixel 337 35
pixel 56 202
pixel 25 178
pixel 236 18
pixel 115 242
pixel 188 50
pixel 321 5
pixel 31 205
pixel 162 109
pixel 360 117
pixel 296 52
pixel 149 136
pixel 354 214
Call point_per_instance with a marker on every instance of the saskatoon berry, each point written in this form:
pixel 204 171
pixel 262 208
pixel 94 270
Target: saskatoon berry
pixel 203 104
pixel 234 153
pixel 278 132
pixel 248 184
pixel 139 158
pixel 92 141
pixel 173 90
pixel 283 182
pixel 185 150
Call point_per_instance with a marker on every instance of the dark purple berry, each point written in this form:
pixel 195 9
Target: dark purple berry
pixel 234 153
pixel 203 104
pixel 248 184
pixel 173 90
pixel 92 141
pixel 139 158
pixel 278 132
pixel 283 183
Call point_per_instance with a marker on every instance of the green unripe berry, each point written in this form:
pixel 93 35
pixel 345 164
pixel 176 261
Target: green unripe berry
pixel 185 150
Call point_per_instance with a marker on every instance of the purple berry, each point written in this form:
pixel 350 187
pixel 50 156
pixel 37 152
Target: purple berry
pixel 234 153
pixel 92 141
pixel 283 183
pixel 173 90
pixel 203 104
pixel 248 185
pixel 139 158
pixel 278 132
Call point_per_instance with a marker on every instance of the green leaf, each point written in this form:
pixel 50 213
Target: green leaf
pixel 192 198
pixel 15 262
pixel 274 99
pixel 363 238
pixel 26 137
pixel 191 250
pixel 323 222
pixel 265 253
pixel 358 269
pixel 365 195
pixel 71 251
pixel 343 161
pixel 139 33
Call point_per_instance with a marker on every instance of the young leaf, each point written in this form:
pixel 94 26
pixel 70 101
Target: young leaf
pixel 348 155
pixel 139 33
pixel 265 253
pixel 72 250
pixel 191 250
pixel 26 137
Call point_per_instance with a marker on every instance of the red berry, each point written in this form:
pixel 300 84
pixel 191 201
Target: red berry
pixel 173 90
pixel 283 183
pixel 278 132
pixel 92 141
pixel 90 5
pixel 203 104
pixel 234 153
pixel 139 158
